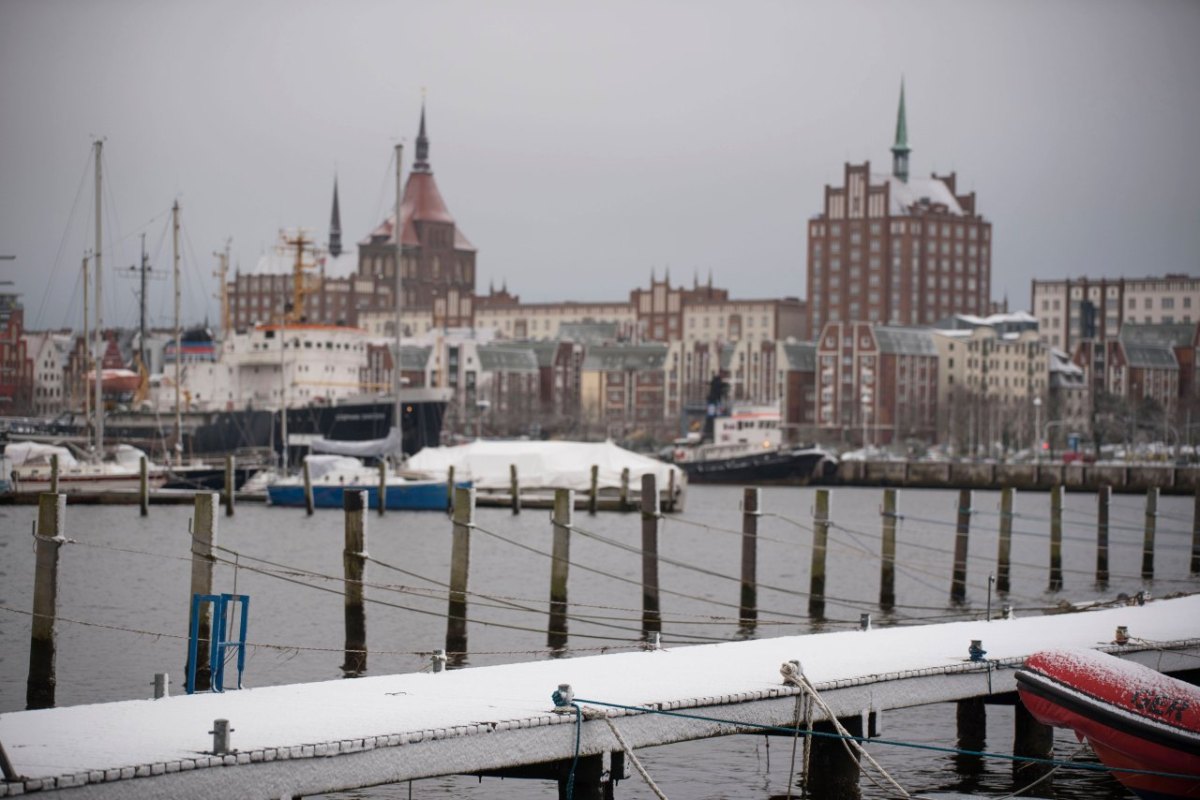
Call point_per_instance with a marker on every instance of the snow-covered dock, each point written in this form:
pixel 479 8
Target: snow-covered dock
pixel 319 737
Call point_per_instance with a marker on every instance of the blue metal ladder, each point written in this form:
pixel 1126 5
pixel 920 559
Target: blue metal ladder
pixel 219 643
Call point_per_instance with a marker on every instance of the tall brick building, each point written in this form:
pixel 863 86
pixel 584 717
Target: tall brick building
pixel 895 250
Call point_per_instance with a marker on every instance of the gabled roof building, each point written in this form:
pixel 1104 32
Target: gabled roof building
pixel 892 249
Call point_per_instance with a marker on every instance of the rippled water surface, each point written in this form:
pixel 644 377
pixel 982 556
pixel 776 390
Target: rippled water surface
pixel 131 575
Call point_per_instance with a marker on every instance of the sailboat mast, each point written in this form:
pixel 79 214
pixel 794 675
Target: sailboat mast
pixel 99 314
pixel 178 343
pixel 142 309
pixel 398 411
pixel 87 348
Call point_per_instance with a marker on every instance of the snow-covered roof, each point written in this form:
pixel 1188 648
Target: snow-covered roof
pixel 914 191
pixel 905 341
pixel 627 357
pixel 1062 364
pixel 801 356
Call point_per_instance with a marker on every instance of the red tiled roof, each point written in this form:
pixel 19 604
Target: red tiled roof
pixel 422 203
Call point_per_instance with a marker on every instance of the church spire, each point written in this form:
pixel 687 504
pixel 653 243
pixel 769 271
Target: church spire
pixel 900 149
pixel 335 224
pixel 422 162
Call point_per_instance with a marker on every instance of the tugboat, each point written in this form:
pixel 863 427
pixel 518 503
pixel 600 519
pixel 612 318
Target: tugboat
pixel 744 445
pixel 1133 717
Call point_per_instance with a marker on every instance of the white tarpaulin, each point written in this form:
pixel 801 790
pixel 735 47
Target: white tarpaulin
pixel 557 465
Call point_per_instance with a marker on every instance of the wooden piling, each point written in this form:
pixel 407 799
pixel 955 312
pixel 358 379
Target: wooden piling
pixel 1195 568
pixel 41 682
pixel 230 484
pixel 625 489
pixel 887 563
pixel 751 503
pixel 1103 499
pixel 1056 534
pixel 1031 739
pixel 816 586
pixel 450 490
pixel 1004 549
pixel 460 560
pixel 54 473
pixel 204 537
pixel 1148 539
pixel 354 562
pixel 514 488
pixel 832 770
pixel 308 490
pixel 594 490
pixel 670 507
pixel 143 487
pixel 382 487
pixel 562 519
pixel 962 533
pixel 971 723
pixel 651 617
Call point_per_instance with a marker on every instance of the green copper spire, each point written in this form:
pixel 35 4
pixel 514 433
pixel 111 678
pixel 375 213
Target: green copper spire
pixel 900 149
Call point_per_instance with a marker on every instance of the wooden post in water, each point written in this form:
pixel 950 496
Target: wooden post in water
pixel 382 487
pixel 1103 498
pixel 1056 534
pixel 962 532
pixel 450 490
pixel 204 537
pixel 1031 739
pixel 1004 549
pixel 54 473
pixel 594 491
pixel 748 610
pixel 514 488
pixel 308 490
pixel 230 483
pixel 1148 539
pixel 816 587
pixel 670 507
pixel 971 722
pixel 887 563
pixel 651 617
pixel 354 562
pixel 143 487
pixel 564 510
pixel 460 560
pixel 39 689
pixel 625 489
pixel 1195 568
pixel 832 770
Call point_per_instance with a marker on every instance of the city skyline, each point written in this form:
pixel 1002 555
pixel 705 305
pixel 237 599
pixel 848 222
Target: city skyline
pixel 580 150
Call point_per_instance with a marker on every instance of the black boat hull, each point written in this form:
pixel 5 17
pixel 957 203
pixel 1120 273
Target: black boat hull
pixel 795 467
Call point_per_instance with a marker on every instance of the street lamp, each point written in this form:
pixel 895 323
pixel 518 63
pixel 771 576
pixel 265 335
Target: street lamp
pixel 1037 428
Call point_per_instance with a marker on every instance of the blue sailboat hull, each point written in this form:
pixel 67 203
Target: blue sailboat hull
pixel 414 496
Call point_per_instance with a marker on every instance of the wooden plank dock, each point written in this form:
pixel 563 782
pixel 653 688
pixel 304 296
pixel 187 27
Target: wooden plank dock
pixel 303 739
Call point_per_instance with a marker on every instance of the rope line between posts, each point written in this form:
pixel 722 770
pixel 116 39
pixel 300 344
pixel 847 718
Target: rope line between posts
pixel 886 742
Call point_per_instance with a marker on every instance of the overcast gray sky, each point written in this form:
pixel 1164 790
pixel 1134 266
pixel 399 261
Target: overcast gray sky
pixel 582 145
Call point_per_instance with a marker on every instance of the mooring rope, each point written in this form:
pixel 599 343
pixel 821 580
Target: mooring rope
pixel 890 742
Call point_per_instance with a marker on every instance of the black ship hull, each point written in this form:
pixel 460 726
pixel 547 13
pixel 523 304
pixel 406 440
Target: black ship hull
pixel 251 432
pixel 787 467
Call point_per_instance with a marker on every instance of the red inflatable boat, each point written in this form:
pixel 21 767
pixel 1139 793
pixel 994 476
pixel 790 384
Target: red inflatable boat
pixel 1132 716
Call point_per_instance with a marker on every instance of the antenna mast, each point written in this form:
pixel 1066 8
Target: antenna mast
pixel 99 451
pixel 398 411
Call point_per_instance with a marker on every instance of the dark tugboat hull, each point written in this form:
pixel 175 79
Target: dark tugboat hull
pixel 795 467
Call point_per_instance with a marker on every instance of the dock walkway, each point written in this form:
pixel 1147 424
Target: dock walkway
pixel 303 739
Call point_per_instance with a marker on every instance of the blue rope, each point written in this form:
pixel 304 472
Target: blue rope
pixel 561 700
pixel 915 745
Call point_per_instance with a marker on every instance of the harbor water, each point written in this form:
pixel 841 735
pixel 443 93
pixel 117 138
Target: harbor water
pixel 123 608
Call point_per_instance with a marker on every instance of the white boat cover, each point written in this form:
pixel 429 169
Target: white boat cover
pixel 20 453
pixel 389 445
pixel 553 464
